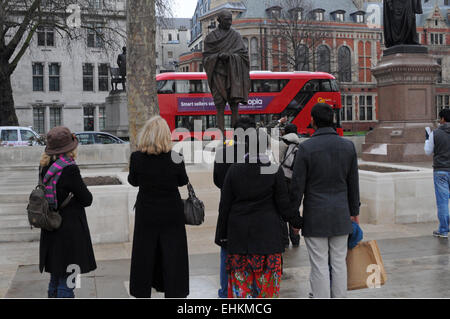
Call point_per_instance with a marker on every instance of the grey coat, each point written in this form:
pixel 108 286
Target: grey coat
pixel 326 180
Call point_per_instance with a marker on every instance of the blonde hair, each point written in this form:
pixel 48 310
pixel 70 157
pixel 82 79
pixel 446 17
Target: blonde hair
pixel 155 137
pixel 46 159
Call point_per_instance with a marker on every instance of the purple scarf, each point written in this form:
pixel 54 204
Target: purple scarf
pixel 52 176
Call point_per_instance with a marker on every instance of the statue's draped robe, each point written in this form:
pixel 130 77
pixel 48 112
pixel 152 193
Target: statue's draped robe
pixel 122 63
pixel 400 22
pixel 230 79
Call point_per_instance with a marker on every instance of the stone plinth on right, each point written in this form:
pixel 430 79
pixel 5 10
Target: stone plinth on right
pixel 406 76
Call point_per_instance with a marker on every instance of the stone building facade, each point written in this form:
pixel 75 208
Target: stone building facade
pixel 62 82
pixel 350 44
pixel 65 82
pixel 172 39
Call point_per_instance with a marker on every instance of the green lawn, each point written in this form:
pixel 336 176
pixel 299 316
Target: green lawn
pixel 360 133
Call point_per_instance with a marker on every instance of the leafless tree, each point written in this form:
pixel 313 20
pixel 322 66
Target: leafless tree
pixel 298 34
pixel 20 20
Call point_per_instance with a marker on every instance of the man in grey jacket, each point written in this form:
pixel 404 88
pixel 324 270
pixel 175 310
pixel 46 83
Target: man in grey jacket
pixel 326 179
pixel 438 144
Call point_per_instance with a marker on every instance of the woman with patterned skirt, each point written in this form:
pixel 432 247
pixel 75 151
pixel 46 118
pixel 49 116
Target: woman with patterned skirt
pixel 254 196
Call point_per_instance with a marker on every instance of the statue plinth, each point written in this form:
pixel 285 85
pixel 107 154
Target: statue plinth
pixel 406 106
pixel 116 109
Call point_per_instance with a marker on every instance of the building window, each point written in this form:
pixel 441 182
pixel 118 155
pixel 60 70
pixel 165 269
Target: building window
pixel 54 77
pixel 437 38
pixel 442 102
pixel 296 14
pixel 89 118
pixel 340 17
pixel 302 58
pixel 46 36
pixel 366 108
pixel 103 77
pixel 38 77
pixel 96 4
pixel 254 54
pixel 323 59
pixel 88 77
pixel 101 118
pixel 39 120
pixel 319 15
pixel 55 117
pixel 359 18
pixel 344 64
pixel 94 36
pixel 170 54
pixel 439 80
pixel 170 37
pixel 347 108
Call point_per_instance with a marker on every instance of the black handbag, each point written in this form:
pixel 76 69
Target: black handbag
pixel 194 209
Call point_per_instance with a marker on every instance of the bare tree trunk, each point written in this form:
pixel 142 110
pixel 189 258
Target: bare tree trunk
pixel 7 111
pixel 141 65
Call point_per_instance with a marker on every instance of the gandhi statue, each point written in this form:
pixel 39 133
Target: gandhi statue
pixel 226 62
pixel 400 22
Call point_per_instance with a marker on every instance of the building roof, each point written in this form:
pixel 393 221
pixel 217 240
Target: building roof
pixel 257 8
pixel 421 19
pixel 174 23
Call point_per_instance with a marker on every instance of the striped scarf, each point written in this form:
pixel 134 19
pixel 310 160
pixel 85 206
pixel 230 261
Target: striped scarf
pixel 52 176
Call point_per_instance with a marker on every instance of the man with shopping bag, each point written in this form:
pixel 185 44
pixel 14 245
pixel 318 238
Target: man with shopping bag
pixel 325 178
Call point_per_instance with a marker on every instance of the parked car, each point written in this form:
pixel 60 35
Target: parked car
pixel 87 138
pixel 19 136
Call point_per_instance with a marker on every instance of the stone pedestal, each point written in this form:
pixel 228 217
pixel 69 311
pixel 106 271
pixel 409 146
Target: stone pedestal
pixel 116 109
pixel 405 107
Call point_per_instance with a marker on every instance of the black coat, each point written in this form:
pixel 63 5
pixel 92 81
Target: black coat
pixel 250 208
pixel 71 243
pixel 160 253
pixel 325 177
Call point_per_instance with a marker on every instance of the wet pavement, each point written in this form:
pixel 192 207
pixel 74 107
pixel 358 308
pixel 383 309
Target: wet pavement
pixel 417 267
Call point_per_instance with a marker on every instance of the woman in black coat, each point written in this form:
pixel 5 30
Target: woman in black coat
pixel 160 253
pixel 69 245
pixel 254 196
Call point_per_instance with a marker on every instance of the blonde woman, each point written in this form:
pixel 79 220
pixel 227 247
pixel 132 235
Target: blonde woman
pixel 71 243
pixel 160 255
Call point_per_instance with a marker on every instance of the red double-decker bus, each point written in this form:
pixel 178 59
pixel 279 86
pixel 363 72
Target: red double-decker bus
pixel 185 97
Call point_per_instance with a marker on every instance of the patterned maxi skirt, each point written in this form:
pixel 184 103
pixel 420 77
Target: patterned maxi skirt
pixel 254 276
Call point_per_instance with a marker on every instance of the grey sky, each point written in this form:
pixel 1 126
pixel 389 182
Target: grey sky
pixel 184 8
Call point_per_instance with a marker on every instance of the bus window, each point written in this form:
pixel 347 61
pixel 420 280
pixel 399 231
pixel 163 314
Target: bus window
pixel 334 86
pixel 325 86
pixel 191 86
pixel 311 86
pixel 268 86
pixel 166 87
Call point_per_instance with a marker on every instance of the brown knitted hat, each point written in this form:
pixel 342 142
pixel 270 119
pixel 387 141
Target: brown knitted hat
pixel 60 140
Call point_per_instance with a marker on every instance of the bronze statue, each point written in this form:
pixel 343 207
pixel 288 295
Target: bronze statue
pixel 122 63
pixel 400 22
pixel 226 62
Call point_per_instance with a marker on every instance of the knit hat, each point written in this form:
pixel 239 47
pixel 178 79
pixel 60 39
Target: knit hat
pixel 60 140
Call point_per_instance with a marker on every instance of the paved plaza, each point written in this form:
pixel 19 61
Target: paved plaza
pixel 417 264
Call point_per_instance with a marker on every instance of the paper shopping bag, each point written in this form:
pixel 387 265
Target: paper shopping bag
pixel 365 267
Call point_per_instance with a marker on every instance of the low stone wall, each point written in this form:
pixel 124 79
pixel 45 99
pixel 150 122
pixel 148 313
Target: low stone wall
pixel 397 198
pixel 89 156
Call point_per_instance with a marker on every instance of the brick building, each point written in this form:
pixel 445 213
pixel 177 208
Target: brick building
pixel 349 44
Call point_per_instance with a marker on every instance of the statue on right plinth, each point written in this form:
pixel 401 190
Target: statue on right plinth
pixel 400 22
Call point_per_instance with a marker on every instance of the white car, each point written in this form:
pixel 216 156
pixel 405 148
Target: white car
pixel 18 136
